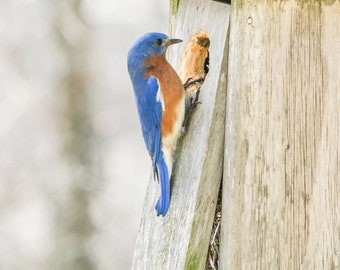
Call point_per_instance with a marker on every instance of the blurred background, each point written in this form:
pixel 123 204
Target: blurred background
pixel 73 166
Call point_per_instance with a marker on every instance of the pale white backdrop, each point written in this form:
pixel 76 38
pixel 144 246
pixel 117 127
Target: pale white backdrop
pixel 46 194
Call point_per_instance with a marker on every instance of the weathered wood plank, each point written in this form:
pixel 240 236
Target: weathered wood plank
pixel 180 239
pixel 281 191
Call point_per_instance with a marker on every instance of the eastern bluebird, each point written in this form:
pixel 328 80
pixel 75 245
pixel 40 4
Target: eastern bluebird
pixel 160 100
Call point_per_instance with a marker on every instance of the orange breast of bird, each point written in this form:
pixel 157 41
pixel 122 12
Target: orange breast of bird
pixel 172 92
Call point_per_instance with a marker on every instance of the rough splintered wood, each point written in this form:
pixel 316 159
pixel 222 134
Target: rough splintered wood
pixel 194 64
pixel 194 67
pixel 194 59
pixel 180 240
pixel 281 191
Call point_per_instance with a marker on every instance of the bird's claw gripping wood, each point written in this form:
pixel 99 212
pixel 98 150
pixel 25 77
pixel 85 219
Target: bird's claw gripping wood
pixel 190 82
pixel 193 101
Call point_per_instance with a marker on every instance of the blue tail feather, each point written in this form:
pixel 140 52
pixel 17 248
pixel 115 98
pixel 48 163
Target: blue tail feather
pixel 163 203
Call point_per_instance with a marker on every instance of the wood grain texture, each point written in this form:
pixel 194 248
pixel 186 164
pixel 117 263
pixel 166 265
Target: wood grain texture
pixel 281 206
pixel 180 239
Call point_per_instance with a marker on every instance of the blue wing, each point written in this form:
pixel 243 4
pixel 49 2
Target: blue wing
pixel 150 115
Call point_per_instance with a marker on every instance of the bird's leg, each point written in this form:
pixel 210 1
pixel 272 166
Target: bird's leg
pixel 192 105
pixel 193 102
pixel 187 83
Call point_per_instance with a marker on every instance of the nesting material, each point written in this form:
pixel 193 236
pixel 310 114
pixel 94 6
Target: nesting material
pixel 212 262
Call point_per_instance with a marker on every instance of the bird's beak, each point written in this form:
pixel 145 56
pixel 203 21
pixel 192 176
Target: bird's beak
pixel 171 41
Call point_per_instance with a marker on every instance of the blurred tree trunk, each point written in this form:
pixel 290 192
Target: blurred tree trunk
pixel 73 223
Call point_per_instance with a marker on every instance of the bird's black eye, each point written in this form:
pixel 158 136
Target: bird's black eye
pixel 158 41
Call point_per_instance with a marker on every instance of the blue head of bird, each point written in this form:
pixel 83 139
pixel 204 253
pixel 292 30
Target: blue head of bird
pixel 148 45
